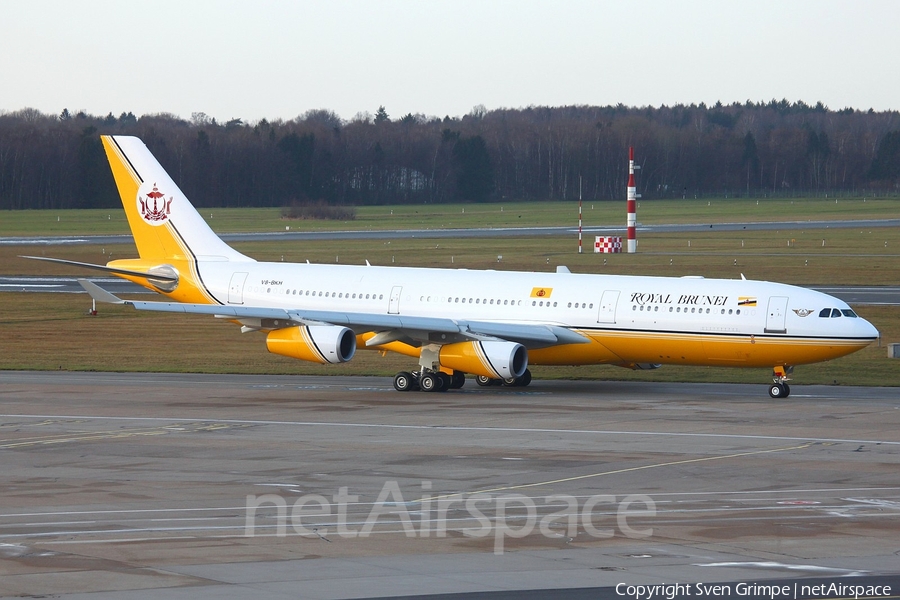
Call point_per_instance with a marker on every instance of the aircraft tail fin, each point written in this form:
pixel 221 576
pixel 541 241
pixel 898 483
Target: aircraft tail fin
pixel 166 227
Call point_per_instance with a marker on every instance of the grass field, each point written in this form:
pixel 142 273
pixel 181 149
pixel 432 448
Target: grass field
pixel 848 256
pixel 52 331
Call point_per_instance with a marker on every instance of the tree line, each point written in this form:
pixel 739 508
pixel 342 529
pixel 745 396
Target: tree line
pixel 775 148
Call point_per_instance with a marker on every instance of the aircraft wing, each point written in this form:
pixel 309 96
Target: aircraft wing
pixel 419 329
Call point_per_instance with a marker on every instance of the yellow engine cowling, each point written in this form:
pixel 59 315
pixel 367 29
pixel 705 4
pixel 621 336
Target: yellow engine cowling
pixel 315 343
pixel 494 359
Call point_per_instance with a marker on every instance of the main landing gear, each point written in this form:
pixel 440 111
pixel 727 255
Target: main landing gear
pixel 780 377
pixel 438 381
pixel 522 381
pixel 429 381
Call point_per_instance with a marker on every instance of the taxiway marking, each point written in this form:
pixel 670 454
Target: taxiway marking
pixel 248 422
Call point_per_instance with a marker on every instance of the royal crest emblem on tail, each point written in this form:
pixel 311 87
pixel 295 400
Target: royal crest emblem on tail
pixel 155 209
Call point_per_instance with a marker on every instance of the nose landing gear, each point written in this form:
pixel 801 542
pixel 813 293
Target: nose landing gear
pixel 780 377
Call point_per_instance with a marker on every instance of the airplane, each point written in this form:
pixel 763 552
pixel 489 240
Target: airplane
pixel 491 324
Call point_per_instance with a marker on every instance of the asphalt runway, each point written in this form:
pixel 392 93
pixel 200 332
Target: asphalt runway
pixel 493 232
pixel 181 486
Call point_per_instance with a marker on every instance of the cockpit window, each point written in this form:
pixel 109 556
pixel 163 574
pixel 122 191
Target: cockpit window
pixel 834 313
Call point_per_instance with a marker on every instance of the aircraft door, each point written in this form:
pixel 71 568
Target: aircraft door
pixel 608 303
pixel 394 304
pixel 236 288
pixel 775 315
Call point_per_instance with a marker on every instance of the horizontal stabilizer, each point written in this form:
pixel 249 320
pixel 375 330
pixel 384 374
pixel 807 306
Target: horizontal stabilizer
pixel 114 270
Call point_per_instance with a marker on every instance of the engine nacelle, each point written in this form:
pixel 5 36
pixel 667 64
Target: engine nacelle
pixel 497 360
pixel 315 343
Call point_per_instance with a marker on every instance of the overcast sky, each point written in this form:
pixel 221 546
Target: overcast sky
pixel 277 59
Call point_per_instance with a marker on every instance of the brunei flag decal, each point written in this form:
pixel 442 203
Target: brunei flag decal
pixel 541 292
pixel 746 300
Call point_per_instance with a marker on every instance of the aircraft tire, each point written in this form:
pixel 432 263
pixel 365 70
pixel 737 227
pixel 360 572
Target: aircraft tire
pixel 446 381
pixel 457 380
pixel 777 390
pixel 429 382
pixel 484 381
pixel 787 390
pixel 525 380
pixel 403 381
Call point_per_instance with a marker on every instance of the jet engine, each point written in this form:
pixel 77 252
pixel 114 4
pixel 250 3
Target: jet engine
pixel 494 359
pixel 315 343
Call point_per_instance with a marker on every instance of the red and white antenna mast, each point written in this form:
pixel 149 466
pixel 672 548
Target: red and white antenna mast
pixel 632 204
pixel 579 214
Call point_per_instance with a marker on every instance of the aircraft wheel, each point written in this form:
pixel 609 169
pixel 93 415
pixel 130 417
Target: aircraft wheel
pixel 510 381
pixel 526 378
pixel 446 381
pixel 430 382
pixel 457 380
pixel 787 390
pixel 403 381
pixel 777 390
pixel 484 381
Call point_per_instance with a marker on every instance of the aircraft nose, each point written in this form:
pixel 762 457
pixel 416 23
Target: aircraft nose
pixel 867 330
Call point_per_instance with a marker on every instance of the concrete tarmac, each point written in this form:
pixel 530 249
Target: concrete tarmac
pixel 223 486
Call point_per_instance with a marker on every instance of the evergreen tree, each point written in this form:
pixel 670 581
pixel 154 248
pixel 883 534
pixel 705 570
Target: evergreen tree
pixel 474 171
pixel 886 165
